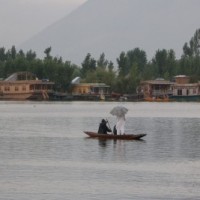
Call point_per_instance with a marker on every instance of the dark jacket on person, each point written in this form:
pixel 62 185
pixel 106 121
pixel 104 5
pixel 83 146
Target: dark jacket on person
pixel 103 129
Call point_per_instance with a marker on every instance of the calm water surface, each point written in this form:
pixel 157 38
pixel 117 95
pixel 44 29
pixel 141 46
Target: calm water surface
pixel 44 154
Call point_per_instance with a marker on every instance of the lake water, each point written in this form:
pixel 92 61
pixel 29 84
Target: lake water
pixel 44 154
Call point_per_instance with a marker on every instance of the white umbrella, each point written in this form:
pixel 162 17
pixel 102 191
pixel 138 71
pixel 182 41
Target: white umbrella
pixel 119 111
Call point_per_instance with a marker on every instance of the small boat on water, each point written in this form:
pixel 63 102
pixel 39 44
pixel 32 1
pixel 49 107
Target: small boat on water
pixel 115 137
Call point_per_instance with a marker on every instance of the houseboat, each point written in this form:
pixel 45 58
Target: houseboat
pixel 158 90
pixel 183 90
pixel 89 91
pixel 25 85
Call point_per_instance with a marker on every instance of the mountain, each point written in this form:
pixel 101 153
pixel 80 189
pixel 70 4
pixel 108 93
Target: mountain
pixel 113 26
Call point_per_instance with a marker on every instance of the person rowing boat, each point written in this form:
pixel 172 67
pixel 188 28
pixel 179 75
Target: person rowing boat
pixel 103 128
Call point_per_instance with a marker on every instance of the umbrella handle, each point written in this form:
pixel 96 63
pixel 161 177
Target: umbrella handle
pixel 108 124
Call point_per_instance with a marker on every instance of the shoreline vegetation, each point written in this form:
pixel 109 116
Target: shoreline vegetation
pixel 132 67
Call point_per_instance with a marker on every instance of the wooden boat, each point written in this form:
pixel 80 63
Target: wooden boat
pixel 115 137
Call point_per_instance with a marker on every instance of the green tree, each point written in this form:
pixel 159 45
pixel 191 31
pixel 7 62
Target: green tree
pixel 110 66
pixel 133 79
pixel 137 56
pixel 193 48
pixel 47 51
pixel 21 54
pixel 127 60
pixel 2 54
pixel 64 73
pixel 13 52
pixel 189 63
pixel 88 65
pixel 122 62
pixel 102 62
pixel 164 63
pixel 30 55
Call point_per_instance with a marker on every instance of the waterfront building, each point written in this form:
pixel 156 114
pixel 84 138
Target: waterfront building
pixel 162 90
pixel 184 90
pixel 25 85
pixel 84 91
pixel 156 90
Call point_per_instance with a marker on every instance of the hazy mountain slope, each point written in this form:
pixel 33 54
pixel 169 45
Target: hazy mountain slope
pixel 113 26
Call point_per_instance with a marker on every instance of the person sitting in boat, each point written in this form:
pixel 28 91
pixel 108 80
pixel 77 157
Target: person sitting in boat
pixel 103 129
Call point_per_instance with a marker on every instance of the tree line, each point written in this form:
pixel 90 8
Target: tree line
pixel 132 66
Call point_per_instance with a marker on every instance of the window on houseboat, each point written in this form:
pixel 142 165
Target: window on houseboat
pixel 31 87
pixel 16 88
pixel 179 92
pixel 7 88
pixel 156 87
pixel 24 88
pixel 96 90
pixel 37 87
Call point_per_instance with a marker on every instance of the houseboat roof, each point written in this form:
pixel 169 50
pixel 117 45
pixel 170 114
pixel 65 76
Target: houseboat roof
pixel 19 76
pixel 27 82
pixel 76 80
pixel 24 78
pixel 157 82
pixel 181 76
pixel 92 84
pixel 186 84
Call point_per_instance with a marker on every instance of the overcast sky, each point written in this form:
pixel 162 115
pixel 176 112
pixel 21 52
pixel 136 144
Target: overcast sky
pixel 21 19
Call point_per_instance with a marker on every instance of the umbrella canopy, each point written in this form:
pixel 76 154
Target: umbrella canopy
pixel 119 111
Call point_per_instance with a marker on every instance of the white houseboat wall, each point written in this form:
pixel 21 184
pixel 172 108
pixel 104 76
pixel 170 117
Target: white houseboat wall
pixel 162 90
pixel 185 91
